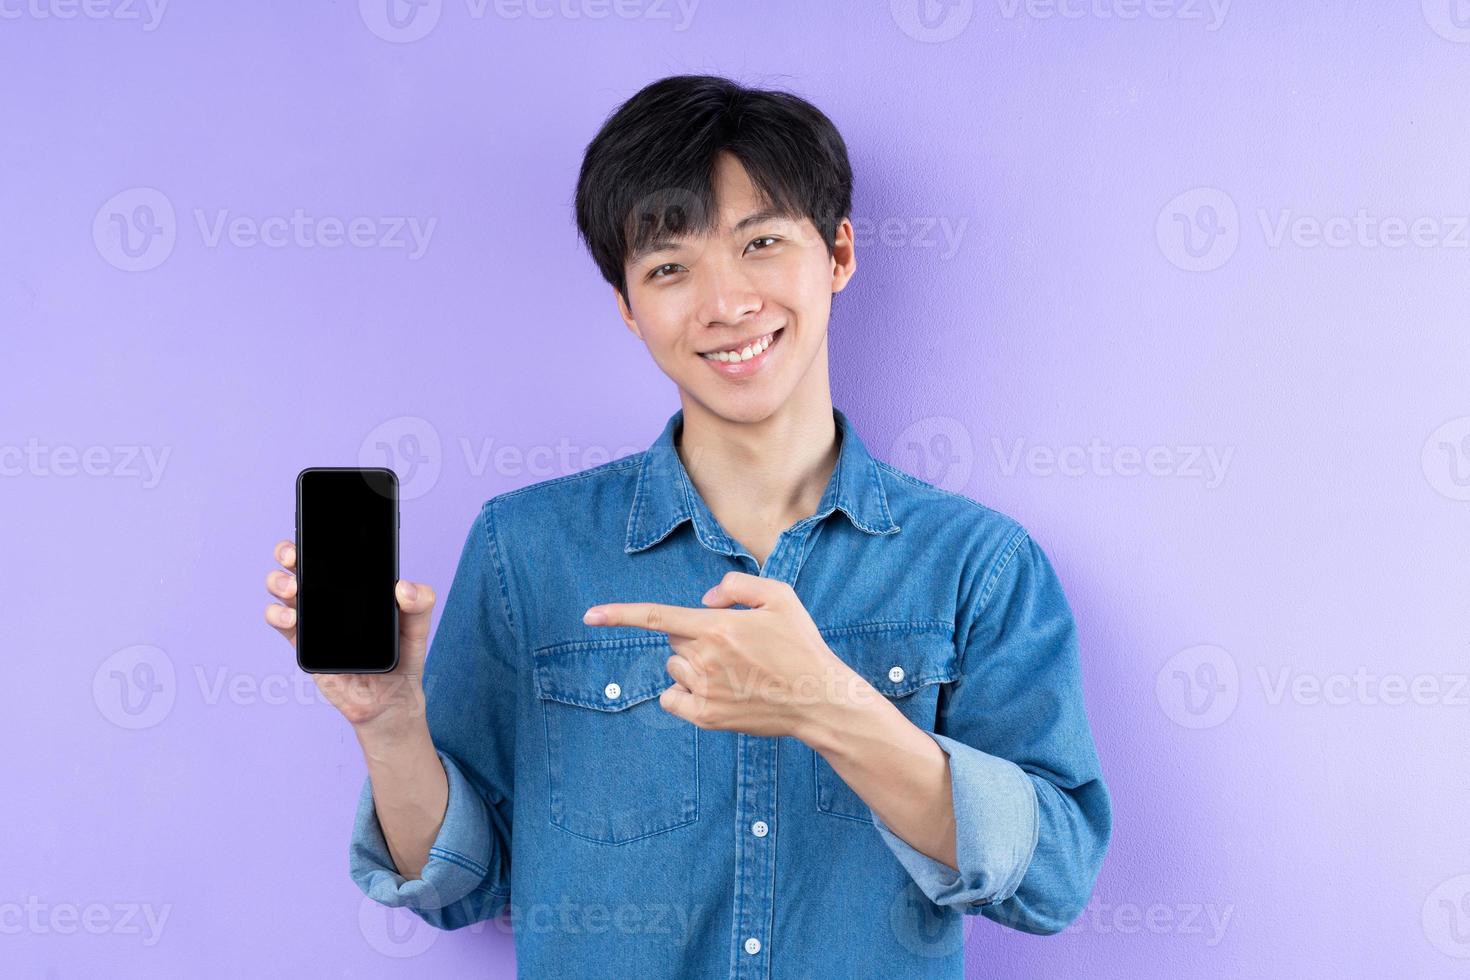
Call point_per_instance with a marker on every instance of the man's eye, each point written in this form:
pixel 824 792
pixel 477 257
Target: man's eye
pixel 657 272
pixel 764 238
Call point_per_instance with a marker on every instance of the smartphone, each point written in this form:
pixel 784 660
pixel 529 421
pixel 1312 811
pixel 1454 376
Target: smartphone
pixel 346 569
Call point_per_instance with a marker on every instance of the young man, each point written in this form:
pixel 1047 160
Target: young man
pixel 816 711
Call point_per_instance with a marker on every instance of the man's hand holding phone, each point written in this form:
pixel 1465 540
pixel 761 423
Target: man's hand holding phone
pixel 365 700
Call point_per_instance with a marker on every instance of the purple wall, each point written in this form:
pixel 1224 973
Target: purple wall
pixel 1180 287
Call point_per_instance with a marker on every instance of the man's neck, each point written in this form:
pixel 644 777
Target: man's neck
pixel 760 478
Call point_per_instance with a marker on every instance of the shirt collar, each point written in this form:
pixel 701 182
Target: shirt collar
pixel 665 496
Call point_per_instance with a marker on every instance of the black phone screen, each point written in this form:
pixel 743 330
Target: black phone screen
pixel 346 570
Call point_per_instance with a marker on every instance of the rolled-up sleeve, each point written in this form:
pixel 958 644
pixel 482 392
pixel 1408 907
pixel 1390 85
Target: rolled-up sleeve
pixel 1032 815
pixel 469 689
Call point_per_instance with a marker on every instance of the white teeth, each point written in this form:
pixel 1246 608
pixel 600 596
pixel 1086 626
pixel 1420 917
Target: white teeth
pixel 746 354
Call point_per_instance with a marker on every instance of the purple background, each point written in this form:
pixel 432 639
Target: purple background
pixel 1260 830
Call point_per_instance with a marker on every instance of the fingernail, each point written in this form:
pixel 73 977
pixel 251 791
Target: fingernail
pixel 289 555
pixel 594 617
pixel 407 590
pixel 289 616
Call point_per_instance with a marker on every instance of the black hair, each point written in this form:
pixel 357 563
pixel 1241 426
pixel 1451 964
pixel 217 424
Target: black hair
pixel 649 171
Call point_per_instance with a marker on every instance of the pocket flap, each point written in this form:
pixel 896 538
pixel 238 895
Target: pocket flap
pixel 897 658
pixel 605 675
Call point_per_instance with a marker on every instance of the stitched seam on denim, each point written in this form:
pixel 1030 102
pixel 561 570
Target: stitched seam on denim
pixel 487 515
pixel 454 857
pixel 551 693
pixel 615 466
pixel 1018 537
pixel 891 626
pixel 1010 549
pixel 627 641
pixel 926 485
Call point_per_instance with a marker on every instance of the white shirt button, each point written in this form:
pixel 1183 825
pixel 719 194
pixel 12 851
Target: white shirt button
pixel 895 674
pixel 759 828
pixel 752 945
pixel 612 691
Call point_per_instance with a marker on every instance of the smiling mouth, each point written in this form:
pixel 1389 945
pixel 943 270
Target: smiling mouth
pixel 749 352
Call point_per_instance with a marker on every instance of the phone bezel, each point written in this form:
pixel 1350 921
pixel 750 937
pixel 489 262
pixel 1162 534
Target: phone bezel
pixel 397 523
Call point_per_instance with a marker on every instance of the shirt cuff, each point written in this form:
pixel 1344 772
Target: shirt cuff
pixel 458 859
pixel 996 826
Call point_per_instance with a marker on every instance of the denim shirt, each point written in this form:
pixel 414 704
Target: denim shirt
pixel 621 840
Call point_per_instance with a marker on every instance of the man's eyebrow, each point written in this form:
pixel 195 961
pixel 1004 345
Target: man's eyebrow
pixel 669 245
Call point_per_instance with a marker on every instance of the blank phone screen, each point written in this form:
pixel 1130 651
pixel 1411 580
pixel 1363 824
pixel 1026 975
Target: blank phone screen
pixel 347 566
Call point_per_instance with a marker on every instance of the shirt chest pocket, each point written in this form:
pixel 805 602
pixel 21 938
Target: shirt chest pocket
pixel 906 664
pixel 619 767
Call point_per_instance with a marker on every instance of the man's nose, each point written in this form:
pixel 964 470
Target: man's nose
pixel 726 293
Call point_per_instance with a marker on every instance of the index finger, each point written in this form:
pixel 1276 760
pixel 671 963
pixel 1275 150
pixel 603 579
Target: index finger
pixel 286 553
pixel 678 620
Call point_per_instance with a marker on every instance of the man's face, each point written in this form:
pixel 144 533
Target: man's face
pixel 734 287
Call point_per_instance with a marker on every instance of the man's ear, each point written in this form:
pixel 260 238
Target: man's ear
pixel 626 313
pixel 844 256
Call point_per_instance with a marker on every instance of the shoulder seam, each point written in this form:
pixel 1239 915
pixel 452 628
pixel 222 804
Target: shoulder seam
pixel 612 466
pixel 502 580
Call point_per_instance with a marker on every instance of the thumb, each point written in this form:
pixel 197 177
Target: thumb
pixel 743 588
pixel 416 602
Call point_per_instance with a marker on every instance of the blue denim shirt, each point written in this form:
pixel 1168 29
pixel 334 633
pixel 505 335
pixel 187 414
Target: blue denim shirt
pixel 621 840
